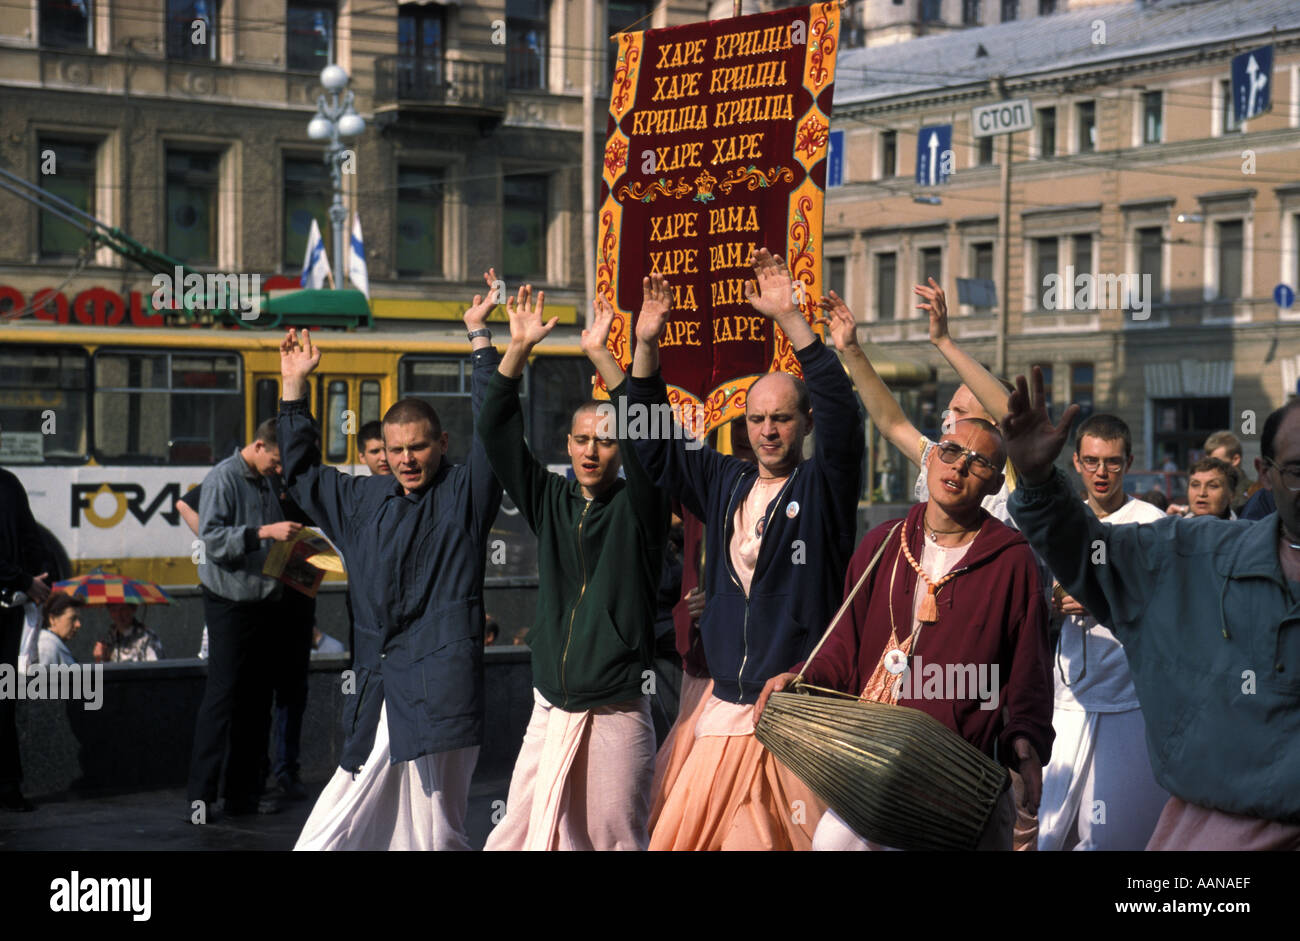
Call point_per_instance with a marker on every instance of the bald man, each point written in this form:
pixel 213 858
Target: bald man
pixel 779 536
pixel 952 622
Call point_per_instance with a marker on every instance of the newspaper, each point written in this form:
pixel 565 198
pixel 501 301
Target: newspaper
pixel 301 562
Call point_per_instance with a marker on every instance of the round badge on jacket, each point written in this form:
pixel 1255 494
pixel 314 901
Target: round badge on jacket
pixel 792 509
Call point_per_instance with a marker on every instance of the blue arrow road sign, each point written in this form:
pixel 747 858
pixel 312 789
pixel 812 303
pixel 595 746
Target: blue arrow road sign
pixel 934 155
pixel 1252 83
pixel 1284 296
pixel 835 160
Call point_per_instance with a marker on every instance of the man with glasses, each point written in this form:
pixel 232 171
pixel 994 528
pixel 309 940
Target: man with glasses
pixel 955 594
pixel 1099 788
pixel 1208 612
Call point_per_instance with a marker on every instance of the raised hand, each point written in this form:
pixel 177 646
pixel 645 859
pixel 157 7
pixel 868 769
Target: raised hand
pixel 296 363
pixel 937 307
pixel 656 303
pixel 775 295
pixel 844 328
pixel 596 337
pixel 477 314
pixel 1033 441
pixel 527 328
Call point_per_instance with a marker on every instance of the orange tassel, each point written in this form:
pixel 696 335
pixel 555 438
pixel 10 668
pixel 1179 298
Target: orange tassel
pixel 929 611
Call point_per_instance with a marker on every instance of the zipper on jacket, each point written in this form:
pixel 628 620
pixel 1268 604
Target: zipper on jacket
pixel 564 658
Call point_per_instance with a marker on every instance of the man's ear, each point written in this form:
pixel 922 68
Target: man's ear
pixel 1260 468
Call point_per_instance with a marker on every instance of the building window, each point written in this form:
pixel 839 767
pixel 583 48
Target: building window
pixel 1081 389
pixel 888 154
pixel 1228 238
pixel 985 152
pixel 419 222
pixel 557 385
pixel 931 11
pixel 309 28
pixel 192 180
pixel 1229 124
pixel 929 264
pixel 1086 114
pixel 167 408
pixel 970 12
pixel 1046 263
pixel 1082 256
pixel 32 381
pixel 982 268
pixel 833 272
pixel 306 197
pixel 524 221
pixel 192 29
pixel 1047 132
pixel 421 34
pixel 624 15
pixel 526 44
pixel 65 24
pixel 1153 117
pixel 1046 7
pixel 1010 10
pixel 886 278
pixel 1181 427
pixel 71 177
pixel 1151 249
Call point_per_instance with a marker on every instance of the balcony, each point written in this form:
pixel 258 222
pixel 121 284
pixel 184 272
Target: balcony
pixel 440 85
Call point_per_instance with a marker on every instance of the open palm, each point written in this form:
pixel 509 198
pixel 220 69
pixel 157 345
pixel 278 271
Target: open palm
pixel 775 295
pixel 844 328
pixel 297 359
pixel 1033 441
pixel 596 337
pixel 526 324
pixel 656 302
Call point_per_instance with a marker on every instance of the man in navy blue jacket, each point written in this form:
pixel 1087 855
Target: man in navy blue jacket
pixel 779 539
pixel 415 546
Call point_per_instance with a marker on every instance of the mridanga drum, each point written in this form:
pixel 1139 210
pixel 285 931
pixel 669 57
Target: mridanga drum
pixel 894 774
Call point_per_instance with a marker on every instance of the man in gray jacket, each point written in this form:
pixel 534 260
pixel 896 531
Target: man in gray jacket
pixel 239 516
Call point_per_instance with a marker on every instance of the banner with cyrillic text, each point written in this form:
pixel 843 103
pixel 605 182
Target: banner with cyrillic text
pixel 717 143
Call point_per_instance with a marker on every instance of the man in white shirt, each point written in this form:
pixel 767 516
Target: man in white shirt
pixel 1099 782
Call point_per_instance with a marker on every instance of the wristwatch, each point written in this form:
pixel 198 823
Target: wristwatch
pixel 480 332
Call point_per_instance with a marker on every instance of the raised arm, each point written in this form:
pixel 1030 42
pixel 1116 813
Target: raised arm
pixel 594 343
pixel 484 487
pixel 324 494
pixel 982 383
pixel 500 423
pixel 881 405
pixel 687 473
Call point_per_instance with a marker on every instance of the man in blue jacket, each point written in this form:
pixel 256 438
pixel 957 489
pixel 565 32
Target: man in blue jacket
pixel 779 538
pixel 415 547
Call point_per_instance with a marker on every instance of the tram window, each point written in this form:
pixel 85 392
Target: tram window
pixel 443 382
pixel 167 408
pixel 268 400
pixel 371 403
pixel 336 439
pixel 43 405
pixel 557 386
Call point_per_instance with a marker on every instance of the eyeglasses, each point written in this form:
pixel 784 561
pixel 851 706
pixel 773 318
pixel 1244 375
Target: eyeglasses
pixel 1290 475
pixel 950 452
pixel 1113 464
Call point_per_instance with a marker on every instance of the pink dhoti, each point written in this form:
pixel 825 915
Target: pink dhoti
pixel 581 781
pixel 727 792
pixel 1184 826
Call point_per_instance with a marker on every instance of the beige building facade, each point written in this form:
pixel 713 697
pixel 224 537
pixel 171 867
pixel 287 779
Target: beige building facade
pixel 1134 174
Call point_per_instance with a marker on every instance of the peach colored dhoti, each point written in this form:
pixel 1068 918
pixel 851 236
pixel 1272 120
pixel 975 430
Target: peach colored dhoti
pixel 1184 826
pixel 581 781
pixel 696 691
pixel 729 792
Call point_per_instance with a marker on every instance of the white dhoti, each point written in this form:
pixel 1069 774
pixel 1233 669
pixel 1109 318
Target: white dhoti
pixel 582 780
pixel 1100 776
pixel 411 805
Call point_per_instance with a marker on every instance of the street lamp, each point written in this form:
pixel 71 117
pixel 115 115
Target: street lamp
pixel 335 119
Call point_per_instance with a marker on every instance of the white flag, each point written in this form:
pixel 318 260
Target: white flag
pixel 315 264
pixel 357 272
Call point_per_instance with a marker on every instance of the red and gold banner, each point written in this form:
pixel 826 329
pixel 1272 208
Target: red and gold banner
pixel 717 144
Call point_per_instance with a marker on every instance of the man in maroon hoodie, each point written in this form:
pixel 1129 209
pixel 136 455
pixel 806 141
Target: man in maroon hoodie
pixel 952 621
